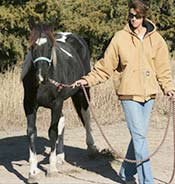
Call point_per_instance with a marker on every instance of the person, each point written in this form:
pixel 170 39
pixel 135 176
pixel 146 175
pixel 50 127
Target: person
pixel 141 56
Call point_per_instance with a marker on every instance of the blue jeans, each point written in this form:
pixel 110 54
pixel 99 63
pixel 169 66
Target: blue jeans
pixel 137 116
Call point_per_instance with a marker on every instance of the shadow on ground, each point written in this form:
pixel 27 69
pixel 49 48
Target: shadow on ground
pixel 101 164
pixel 14 149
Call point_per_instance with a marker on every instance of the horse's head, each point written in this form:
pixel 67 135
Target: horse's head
pixel 41 43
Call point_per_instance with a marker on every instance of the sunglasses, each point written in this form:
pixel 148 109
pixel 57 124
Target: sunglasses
pixel 137 16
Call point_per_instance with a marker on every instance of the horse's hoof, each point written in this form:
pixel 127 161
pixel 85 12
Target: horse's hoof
pixel 33 180
pixel 92 151
pixel 61 159
pixel 52 173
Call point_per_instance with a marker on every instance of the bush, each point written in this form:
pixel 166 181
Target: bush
pixel 96 21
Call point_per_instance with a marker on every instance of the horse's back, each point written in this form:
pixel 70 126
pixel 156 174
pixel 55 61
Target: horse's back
pixel 78 44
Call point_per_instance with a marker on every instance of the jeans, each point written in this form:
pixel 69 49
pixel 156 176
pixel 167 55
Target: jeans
pixel 137 116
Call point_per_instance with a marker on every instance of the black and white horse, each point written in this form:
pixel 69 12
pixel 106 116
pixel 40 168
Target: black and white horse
pixel 53 60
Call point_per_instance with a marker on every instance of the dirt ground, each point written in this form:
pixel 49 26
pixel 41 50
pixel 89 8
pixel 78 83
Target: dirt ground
pixel 79 168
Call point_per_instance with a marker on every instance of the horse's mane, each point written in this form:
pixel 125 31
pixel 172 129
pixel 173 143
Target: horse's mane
pixel 27 63
pixel 39 30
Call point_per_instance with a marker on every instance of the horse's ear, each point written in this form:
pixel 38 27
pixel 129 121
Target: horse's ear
pixel 52 28
pixel 31 23
pixel 52 24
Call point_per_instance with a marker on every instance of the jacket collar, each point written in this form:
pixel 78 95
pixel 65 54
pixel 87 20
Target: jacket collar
pixel 150 27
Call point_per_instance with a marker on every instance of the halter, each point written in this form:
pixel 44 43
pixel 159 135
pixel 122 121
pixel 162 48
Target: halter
pixel 43 58
pixel 41 41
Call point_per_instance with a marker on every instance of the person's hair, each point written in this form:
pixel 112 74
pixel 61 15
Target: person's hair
pixel 139 7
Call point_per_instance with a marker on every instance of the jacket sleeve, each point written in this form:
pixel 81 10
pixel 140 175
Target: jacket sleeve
pixel 104 68
pixel 163 68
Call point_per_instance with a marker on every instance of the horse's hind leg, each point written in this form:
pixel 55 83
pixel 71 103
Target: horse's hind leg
pixel 82 109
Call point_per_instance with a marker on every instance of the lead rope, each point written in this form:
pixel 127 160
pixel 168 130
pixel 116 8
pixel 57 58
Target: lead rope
pixel 118 155
pixel 173 113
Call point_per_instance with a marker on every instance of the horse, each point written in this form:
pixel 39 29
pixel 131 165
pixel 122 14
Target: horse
pixel 54 60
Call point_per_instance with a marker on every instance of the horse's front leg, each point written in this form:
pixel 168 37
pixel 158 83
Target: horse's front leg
pixel 32 133
pixel 60 141
pixel 53 135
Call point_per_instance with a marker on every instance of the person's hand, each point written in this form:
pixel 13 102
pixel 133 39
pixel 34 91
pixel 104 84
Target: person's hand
pixel 171 94
pixel 79 83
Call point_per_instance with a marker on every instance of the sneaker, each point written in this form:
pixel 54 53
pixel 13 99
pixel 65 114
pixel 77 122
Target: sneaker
pixel 130 182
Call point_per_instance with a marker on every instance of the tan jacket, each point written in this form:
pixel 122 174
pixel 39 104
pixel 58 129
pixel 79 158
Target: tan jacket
pixel 143 64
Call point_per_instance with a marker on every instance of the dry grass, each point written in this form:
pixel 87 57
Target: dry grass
pixel 104 101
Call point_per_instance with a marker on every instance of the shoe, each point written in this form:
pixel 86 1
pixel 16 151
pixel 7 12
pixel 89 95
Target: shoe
pixel 130 182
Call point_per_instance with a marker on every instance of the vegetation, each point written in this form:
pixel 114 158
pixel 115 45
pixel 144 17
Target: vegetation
pixel 95 20
pixel 104 104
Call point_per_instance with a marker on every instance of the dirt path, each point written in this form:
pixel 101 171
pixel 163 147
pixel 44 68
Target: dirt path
pixel 79 169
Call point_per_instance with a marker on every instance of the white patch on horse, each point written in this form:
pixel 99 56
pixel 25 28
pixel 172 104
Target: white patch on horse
pixel 33 164
pixel 65 33
pixel 60 158
pixel 61 125
pixel 53 161
pixel 62 39
pixel 41 41
pixel 64 36
pixel 86 118
pixel 41 79
pixel 70 55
